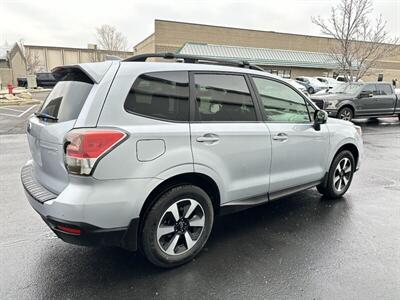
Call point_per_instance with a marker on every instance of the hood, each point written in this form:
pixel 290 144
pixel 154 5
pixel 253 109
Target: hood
pixel 339 121
pixel 332 97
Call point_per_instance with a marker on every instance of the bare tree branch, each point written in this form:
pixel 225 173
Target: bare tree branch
pixel 359 43
pixel 110 39
pixel 32 62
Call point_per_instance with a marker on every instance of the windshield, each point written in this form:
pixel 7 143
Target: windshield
pixel 295 83
pixel 315 81
pixel 346 88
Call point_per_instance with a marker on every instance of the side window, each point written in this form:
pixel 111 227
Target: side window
pixel 311 110
pixel 223 98
pixel 163 95
pixel 384 89
pixel 370 89
pixel 281 103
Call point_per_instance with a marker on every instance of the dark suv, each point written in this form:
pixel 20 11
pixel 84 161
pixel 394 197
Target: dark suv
pixel 372 99
pixel 44 79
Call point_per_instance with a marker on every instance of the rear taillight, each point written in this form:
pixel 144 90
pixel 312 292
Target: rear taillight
pixel 85 147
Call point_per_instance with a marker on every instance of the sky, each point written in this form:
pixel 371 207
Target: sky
pixel 72 23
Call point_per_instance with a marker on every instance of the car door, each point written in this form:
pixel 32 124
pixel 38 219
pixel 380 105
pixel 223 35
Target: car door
pixel 366 101
pixel 299 152
pixel 385 99
pixel 229 139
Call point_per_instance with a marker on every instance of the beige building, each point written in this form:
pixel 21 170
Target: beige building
pixel 170 36
pixel 17 62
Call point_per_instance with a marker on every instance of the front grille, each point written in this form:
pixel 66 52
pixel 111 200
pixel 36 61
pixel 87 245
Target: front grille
pixel 319 103
pixel 34 188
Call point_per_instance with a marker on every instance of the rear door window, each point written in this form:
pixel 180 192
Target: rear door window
pixel 161 95
pixel 370 89
pixel 66 99
pixel 223 98
pixel 384 89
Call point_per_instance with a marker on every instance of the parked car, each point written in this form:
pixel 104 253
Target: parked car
pixel 144 155
pixel 371 99
pixel 343 78
pixel 44 79
pixel 311 84
pixel 330 82
pixel 297 85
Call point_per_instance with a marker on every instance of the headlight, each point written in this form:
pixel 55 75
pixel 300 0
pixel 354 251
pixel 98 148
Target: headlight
pixel 331 104
pixel 359 130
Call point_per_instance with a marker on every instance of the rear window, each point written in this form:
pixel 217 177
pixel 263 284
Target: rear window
pixel 385 89
pixel 161 95
pixel 66 99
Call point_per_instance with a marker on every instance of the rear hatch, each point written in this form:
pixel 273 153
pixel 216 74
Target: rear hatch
pixel 47 129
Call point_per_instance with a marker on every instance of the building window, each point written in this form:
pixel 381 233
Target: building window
pixel 284 73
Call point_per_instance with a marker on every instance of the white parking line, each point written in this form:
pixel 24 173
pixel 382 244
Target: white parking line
pixel 12 109
pixel 22 112
pixel 8 115
pixel 30 108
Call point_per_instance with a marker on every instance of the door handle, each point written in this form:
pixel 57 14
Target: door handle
pixel 280 137
pixel 208 138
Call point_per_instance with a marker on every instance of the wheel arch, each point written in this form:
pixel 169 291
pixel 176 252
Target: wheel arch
pixel 349 105
pixel 201 180
pixel 350 147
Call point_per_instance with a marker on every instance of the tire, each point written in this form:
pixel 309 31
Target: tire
pixel 167 242
pixel 345 113
pixel 336 188
pixel 310 90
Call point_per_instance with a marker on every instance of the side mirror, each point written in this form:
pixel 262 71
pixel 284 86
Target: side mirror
pixel 320 117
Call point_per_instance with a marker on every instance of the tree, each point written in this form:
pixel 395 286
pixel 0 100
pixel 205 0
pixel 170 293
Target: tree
pixel 33 63
pixel 110 39
pixel 359 41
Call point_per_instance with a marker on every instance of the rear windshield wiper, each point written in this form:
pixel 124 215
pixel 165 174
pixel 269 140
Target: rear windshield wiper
pixel 45 116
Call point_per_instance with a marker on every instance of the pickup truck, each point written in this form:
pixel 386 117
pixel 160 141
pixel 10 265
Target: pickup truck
pixel 351 100
pixel 44 79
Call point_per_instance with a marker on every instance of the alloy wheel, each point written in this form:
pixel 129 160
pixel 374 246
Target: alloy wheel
pixel 342 174
pixel 345 114
pixel 180 227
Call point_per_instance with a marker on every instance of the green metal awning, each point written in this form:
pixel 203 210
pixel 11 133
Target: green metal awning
pixel 263 56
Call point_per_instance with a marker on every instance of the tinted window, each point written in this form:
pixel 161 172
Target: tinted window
pixel 384 89
pixel 281 103
pixel 223 98
pixel 163 95
pixel 370 89
pixel 66 100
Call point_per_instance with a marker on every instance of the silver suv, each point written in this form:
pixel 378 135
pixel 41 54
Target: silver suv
pixel 144 155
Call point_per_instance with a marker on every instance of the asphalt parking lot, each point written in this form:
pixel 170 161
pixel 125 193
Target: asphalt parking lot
pixel 298 247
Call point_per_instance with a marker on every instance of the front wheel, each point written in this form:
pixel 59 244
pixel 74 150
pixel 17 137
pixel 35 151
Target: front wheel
pixel 311 90
pixel 339 177
pixel 177 226
pixel 346 114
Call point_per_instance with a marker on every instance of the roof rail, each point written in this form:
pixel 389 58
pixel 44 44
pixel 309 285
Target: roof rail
pixel 195 59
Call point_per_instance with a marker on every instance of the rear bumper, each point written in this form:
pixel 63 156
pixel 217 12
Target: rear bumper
pixel 56 213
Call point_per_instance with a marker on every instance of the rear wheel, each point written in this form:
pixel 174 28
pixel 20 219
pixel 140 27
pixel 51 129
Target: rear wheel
pixel 310 90
pixel 177 226
pixel 346 113
pixel 339 177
